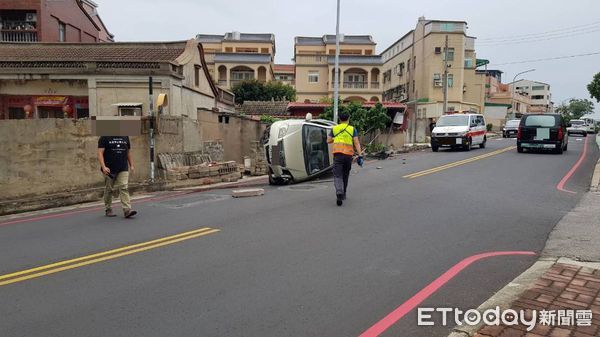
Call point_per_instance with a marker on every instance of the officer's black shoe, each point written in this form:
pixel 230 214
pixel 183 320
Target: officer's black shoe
pixel 340 199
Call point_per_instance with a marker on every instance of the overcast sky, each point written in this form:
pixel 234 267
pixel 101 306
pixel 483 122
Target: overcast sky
pixel 563 28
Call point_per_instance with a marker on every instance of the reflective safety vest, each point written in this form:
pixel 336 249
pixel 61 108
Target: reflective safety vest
pixel 343 139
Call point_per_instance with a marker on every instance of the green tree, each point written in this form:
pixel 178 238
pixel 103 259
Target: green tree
pixel 254 90
pixel 594 87
pixel 575 108
pixel 367 121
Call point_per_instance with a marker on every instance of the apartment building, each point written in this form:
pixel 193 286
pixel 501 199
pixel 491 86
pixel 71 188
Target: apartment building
pixel 500 101
pixel 236 57
pixel 539 93
pixel 285 73
pixel 413 69
pixel 51 21
pixel 360 68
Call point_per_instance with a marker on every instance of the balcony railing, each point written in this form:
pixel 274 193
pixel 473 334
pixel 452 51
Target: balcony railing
pixel 374 85
pixel 356 85
pixel 311 59
pixel 18 36
pixel 223 83
pixel 233 83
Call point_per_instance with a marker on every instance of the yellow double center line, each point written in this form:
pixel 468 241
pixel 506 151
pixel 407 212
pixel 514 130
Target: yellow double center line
pixel 99 257
pixel 457 163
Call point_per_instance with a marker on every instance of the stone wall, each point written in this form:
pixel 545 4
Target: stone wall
pixel 46 156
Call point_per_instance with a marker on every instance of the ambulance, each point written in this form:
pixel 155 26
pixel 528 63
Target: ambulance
pixel 460 131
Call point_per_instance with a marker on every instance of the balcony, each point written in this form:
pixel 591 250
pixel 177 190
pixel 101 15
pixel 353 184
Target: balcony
pixel 18 35
pixel 356 85
pixel 223 83
pixel 374 85
pixel 311 59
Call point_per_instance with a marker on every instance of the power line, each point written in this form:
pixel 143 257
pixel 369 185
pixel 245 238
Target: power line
pixel 564 30
pixel 530 40
pixel 546 59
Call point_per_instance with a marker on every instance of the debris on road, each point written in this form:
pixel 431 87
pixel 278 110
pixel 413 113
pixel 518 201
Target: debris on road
pixel 248 192
pixel 379 167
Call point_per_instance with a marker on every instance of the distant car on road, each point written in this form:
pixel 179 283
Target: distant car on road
pixel 459 131
pixel 511 128
pixel 578 127
pixel 296 150
pixel 542 132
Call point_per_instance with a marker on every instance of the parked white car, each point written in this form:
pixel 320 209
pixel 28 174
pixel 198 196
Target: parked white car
pixel 296 150
pixel 459 131
pixel 579 127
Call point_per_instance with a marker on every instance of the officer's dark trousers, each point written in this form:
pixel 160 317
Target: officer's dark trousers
pixel 341 172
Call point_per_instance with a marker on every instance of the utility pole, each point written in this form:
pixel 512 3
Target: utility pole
pixel 514 91
pixel 336 85
pixel 445 77
pixel 150 92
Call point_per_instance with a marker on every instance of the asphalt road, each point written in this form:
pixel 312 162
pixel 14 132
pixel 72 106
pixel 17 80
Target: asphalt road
pixel 292 263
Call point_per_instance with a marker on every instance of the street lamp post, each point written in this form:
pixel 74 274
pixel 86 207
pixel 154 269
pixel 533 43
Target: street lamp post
pixel 514 85
pixel 336 85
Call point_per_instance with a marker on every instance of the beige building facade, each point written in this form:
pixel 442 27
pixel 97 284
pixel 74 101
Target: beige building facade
pixel 236 57
pixel 360 68
pixel 413 69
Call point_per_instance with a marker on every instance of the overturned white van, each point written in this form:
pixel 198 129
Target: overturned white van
pixel 296 149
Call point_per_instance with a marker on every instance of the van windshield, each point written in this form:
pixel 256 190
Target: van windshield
pixel 453 121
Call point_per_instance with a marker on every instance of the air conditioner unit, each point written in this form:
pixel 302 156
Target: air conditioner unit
pixel 438 50
pixel 437 83
pixel 31 17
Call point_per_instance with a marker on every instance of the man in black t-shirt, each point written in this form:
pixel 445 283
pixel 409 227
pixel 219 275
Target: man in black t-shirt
pixel 115 163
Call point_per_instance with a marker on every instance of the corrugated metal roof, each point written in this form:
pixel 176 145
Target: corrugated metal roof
pixel 347 39
pixel 242 57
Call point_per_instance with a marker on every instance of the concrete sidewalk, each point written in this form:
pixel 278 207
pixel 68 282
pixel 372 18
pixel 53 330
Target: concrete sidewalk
pixel 565 278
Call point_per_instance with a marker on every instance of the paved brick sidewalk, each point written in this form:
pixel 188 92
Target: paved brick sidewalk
pixel 562 287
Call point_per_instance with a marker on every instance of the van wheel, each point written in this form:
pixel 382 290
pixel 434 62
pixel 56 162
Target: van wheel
pixel 276 181
pixel 468 145
pixel 435 148
pixel 482 145
pixel 519 149
pixel 566 146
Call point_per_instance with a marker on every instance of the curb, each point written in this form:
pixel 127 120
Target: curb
pixel 507 295
pixel 596 177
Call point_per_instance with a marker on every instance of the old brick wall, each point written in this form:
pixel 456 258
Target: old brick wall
pixel 46 156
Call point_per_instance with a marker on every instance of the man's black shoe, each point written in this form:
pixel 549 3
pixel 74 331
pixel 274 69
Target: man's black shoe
pixel 340 198
pixel 129 214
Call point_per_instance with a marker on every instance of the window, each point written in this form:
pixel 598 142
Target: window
pixel 408 65
pixel 313 76
pixel 61 32
pixel 229 49
pixel 450 54
pixel 438 50
pixel 447 27
pixel 242 75
pixel 246 50
pixel 368 52
pixel 468 63
pixel 450 80
pixel 16 113
pixel 538 87
pixel 538 97
pixel 197 75
pixel 414 62
pixel 540 121
pixel 264 50
pixel 130 110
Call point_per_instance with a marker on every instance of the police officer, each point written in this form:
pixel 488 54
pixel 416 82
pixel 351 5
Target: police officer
pixel 345 139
